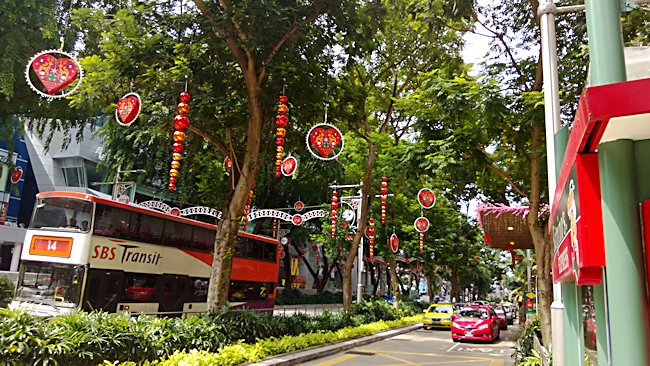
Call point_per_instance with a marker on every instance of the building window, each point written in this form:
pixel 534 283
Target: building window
pixel 74 172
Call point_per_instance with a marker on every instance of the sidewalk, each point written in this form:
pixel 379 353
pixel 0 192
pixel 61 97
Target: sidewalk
pixel 298 357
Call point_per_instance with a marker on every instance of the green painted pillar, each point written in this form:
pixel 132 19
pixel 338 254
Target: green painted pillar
pixel 627 304
pixel 601 321
pixel 606 56
pixel 573 350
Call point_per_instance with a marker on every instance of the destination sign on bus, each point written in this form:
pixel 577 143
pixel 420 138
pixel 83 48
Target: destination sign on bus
pixel 51 246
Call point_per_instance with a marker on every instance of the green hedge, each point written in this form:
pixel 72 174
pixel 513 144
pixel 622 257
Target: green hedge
pixel 89 338
pixel 242 352
pixel 6 291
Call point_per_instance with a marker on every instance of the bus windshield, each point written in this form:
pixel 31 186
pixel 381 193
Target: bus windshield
pixel 62 214
pixel 54 284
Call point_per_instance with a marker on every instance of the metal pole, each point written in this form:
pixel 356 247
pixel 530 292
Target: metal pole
pixel 116 180
pixel 552 121
pixel 528 270
pixel 359 254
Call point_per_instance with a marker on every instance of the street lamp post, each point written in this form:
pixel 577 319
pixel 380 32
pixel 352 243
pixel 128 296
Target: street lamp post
pixel 117 183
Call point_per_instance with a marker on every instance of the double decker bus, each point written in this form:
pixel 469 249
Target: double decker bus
pixel 86 252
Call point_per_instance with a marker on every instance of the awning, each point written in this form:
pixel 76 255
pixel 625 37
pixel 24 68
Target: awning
pixel 505 227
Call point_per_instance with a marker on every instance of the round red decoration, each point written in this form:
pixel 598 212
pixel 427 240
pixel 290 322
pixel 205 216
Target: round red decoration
pixel 177 157
pixel 421 224
pixel 175 164
pixel 172 180
pixel 54 73
pixel 296 219
pixel 183 108
pixel 394 243
pixel 289 166
pixel 185 97
pixel 181 122
pixel 127 109
pixel 298 206
pixel 314 248
pixel 175 211
pixel 284 99
pixel 179 136
pixel 178 147
pixel 325 141
pixel 171 186
pixel 173 173
pixel 16 174
pixel 426 198
pixel 281 121
pixel 282 254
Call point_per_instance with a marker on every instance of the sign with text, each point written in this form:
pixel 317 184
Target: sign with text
pixel 51 246
pixel 576 223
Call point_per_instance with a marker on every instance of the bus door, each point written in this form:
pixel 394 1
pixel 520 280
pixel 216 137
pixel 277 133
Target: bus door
pixel 103 290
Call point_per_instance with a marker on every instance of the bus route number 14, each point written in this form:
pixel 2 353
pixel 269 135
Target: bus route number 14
pixel 51 245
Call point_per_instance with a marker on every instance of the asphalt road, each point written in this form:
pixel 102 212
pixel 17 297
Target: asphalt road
pixel 426 347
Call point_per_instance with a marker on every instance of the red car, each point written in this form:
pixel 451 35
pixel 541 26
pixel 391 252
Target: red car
pixel 501 314
pixel 475 323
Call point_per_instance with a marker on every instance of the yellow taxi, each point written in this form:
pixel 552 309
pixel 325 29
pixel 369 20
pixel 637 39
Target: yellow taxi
pixel 438 316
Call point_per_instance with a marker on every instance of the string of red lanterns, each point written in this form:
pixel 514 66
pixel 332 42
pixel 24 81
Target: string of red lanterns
pixel 247 209
pixel 421 242
pixel 384 192
pixel 181 123
pixel 281 120
pixel 334 206
pixel 371 237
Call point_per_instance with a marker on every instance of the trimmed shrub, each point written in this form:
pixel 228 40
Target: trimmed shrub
pixel 6 291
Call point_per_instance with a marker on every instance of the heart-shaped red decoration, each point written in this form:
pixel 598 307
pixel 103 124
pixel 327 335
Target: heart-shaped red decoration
pixel 54 73
pixel 128 108
pixel 297 219
pixel 426 198
pixel 394 243
pixel 421 224
pixel 289 165
pixel 325 140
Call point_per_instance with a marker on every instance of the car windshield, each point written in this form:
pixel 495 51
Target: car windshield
pixel 440 309
pixel 62 214
pixel 498 311
pixel 58 285
pixel 473 313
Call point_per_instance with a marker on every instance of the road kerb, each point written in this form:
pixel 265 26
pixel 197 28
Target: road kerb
pixel 299 357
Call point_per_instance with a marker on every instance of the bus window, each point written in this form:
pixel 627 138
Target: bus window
pixel 151 229
pixel 171 291
pixel 115 222
pixel 139 287
pixel 255 249
pixel 61 213
pixel 177 234
pixel 199 290
pixel 203 239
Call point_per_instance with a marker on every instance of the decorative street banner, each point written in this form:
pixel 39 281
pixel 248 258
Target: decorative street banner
pixel 426 198
pixel 296 219
pixel 197 210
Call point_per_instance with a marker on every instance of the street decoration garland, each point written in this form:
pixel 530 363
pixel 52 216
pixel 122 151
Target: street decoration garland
pixel 394 243
pixel 56 70
pixel 181 123
pixel 247 209
pixel 334 207
pixel 384 192
pixel 371 237
pixel 325 142
pixel 127 109
pixel 281 120
pixel 421 226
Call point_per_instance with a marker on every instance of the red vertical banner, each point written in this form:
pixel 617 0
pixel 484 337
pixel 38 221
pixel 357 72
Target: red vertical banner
pixel 3 212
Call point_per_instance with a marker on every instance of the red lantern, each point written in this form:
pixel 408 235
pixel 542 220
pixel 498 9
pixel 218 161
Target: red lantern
pixel 281 120
pixel 384 192
pixel 334 206
pixel 247 208
pixel 371 237
pixel 181 123
pixel 421 242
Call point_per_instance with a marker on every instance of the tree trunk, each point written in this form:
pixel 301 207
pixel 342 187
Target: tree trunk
pixel 455 290
pixel 349 262
pixel 234 208
pixel 430 287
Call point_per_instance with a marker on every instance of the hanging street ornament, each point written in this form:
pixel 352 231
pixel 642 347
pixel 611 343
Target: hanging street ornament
pixel 421 224
pixel 384 192
pixel 426 198
pixel 54 73
pixel 281 120
pixel 227 165
pixel 127 109
pixel 371 237
pixel 394 243
pixel 298 206
pixel 289 166
pixel 421 242
pixel 247 209
pixel 325 141
pixel 275 228
pixel 181 123
pixel 334 207
pixel 16 175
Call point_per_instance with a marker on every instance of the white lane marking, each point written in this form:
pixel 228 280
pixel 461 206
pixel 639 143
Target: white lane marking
pixel 454 346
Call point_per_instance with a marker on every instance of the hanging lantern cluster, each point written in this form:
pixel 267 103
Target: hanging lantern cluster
pixel 371 237
pixel 335 206
pixel 421 242
pixel 181 123
pixel 275 227
pixel 247 209
pixel 281 120
pixel 384 192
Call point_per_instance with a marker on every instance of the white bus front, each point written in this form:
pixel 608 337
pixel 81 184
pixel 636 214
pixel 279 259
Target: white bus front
pixel 54 256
